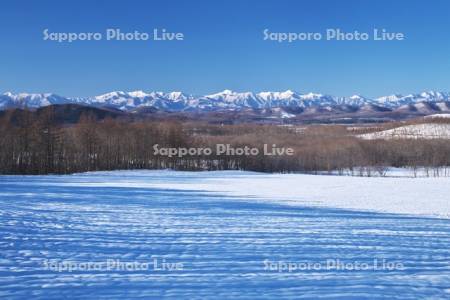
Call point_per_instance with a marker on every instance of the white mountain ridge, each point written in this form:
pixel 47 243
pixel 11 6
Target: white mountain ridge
pixel 225 100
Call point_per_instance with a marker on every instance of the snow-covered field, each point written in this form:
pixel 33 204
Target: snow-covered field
pixel 399 194
pixel 166 234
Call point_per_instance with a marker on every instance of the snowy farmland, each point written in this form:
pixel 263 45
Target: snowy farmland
pixel 416 131
pixel 223 235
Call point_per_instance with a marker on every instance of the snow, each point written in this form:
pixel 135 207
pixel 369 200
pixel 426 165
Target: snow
pixel 397 100
pixel 312 96
pixel 227 99
pixel 139 94
pixel 401 194
pixel 223 227
pixel 438 116
pixel 177 96
pixel 285 115
pixel 417 131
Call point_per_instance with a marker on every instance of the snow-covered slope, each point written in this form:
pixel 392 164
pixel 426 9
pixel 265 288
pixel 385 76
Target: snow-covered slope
pixel 438 116
pixel 394 101
pixel 8 100
pixel 131 100
pixel 425 102
pixel 416 131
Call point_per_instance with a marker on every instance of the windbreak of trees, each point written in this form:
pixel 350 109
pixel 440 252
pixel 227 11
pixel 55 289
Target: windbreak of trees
pixel 39 146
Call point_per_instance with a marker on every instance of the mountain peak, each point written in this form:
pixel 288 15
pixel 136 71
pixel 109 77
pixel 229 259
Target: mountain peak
pixel 8 94
pixel 177 95
pixel 138 93
pixel 227 99
pixel 112 94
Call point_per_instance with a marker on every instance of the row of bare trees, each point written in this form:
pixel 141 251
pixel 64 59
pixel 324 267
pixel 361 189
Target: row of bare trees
pixel 36 145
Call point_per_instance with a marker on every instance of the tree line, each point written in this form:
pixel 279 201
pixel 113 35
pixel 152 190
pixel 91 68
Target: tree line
pixel 37 145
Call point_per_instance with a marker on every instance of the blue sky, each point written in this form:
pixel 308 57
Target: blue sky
pixel 224 47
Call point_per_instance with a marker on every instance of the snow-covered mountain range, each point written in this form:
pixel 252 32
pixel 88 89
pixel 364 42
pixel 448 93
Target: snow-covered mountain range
pixel 225 100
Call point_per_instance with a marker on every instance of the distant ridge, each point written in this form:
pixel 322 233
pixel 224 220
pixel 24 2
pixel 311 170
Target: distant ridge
pixel 225 100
